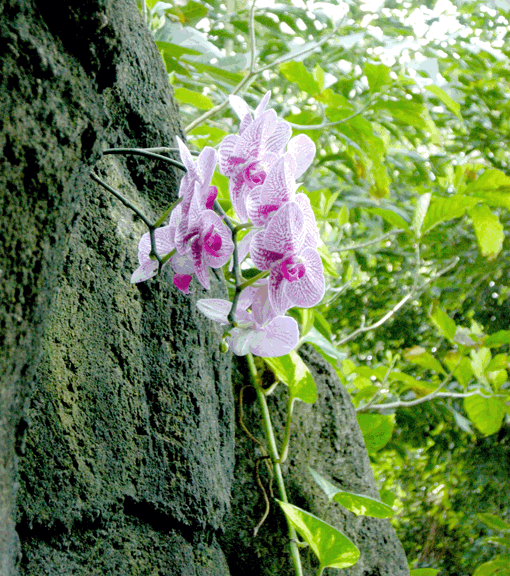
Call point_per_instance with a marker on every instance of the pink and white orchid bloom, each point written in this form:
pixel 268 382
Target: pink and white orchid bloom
pixel 287 248
pixel 148 268
pixel 206 239
pixel 276 338
pixel 197 179
pixel 246 157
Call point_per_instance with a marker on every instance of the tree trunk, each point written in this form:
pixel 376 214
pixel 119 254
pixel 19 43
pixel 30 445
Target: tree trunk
pixel 118 435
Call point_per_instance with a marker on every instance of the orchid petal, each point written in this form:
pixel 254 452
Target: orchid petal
pixel 263 258
pixel 253 139
pixel 262 104
pixel 308 290
pixel 145 272
pixel 279 138
pixel 187 158
pixel 261 306
pixel 241 340
pixel 303 149
pixel 201 270
pixel 182 282
pixel 227 162
pixel 206 164
pixel 277 297
pixel 285 233
pixel 312 231
pixel 210 218
pixel 238 191
pixel 243 246
pixel 279 186
pixel 215 309
pixel 239 105
pixel 278 338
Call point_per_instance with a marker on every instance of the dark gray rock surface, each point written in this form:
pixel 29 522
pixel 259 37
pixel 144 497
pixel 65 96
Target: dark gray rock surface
pixel 117 417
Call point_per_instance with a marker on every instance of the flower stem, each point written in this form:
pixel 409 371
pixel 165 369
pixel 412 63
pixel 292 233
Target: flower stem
pixel 273 451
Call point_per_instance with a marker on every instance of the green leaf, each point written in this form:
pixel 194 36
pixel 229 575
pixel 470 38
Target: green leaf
pixel 497 339
pixel 319 76
pixel 296 72
pixel 378 76
pixel 424 572
pixel 418 355
pixel 446 99
pixel 490 181
pixel 330 546
pixel 360 505
pixel 327 260
pixel 390 216
pixel 443 322
pixel 443 209
pixel 376 429
pixel 294 373
pixel 486 413
pixel 422 206
pixel 206 135
pixel 324 345
pixel 231 77
pixel 175 51
pixel 494 522
pixel 488 230
pixel 480 360
pixel 495 566
pixel 195 98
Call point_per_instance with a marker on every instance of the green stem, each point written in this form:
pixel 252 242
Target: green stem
pixel 286 438
pixel 273 451
pixel 251 281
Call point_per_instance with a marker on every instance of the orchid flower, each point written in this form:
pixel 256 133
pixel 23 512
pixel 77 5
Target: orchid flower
pixel 246 157
pixel 197 179
pixel 286 248
pixel 276 338
pixel 205 238
pixel 148 266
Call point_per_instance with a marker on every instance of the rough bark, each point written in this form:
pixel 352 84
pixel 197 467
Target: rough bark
pixel 117 417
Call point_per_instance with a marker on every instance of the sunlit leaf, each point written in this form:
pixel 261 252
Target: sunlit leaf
pixel 378 76
pixel 323 345
pixel 296 72
pixel 330 546
pixel 418 355
pixel 443 322
pixel 195 98
pixel 424 572
pixel 376 429
pixel 294 373
pixel 360 505
pixel 488 230
pixel 446 99
pixel 486 413
pixel 494 522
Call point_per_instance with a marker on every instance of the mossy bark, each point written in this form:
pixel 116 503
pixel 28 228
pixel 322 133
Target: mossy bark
pixel 117 418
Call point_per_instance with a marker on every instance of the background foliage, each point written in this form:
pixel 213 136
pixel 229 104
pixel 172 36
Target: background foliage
pixel 408 104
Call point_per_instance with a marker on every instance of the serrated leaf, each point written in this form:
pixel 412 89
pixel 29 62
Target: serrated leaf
pixel 330 546
pixel 296 72
pixel 443 322
pixel 378 76
pixel 196 99
pixel 376 429
pixel 360 505
pixel 486 413
pixel 445 98
pixel 488 230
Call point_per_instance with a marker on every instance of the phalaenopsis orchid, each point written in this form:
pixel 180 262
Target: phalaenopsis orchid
pixel 262 164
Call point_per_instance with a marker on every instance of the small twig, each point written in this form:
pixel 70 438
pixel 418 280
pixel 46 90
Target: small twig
pixel 142 152
pixel 369 242
pixel 383 384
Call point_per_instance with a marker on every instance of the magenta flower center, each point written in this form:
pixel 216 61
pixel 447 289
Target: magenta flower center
pixel 292 269
pixel 252 176
pixel 212 242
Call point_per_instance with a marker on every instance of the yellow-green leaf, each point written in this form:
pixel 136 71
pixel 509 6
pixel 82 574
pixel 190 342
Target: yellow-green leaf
pixel 194 98
pixel 330 546
pixel 486 413
pixel 446 99
pixel 488 230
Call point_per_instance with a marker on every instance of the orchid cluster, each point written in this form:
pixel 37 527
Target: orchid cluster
pixel 262 164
